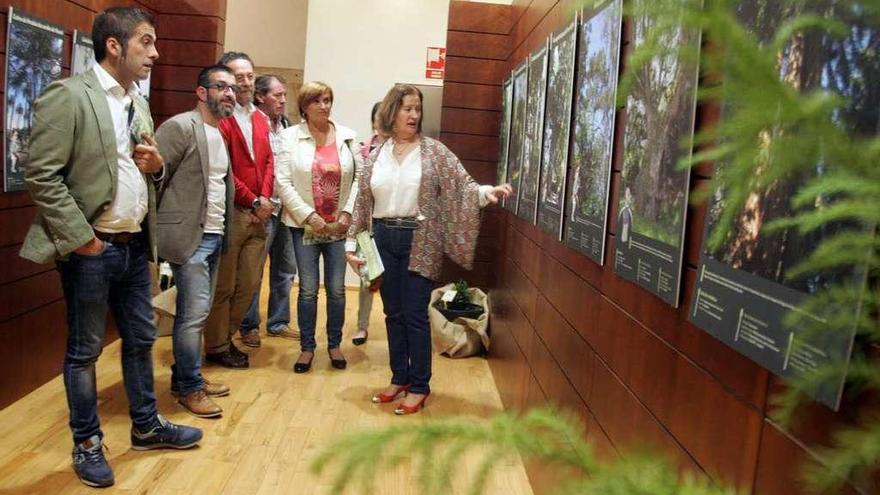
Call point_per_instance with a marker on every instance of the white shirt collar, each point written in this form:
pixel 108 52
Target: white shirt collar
pixel 246 111
pixel 109 83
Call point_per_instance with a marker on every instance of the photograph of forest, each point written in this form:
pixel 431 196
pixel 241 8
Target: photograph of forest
pixel 517 132
pixel 33 60
pixel 598 57
pixel 557 120
pixel 816 60
pixel 531 166
pixel 660 121
pixel 83 56
pixel 504 133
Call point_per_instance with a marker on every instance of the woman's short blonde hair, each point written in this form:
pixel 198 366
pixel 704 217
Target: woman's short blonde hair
pixel 310 92
pixel 391 104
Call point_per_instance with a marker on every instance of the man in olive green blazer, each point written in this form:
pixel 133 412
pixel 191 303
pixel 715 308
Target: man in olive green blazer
pixel 194 219
pixel 90 176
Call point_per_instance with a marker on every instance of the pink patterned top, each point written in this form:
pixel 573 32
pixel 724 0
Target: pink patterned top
pixel 326 178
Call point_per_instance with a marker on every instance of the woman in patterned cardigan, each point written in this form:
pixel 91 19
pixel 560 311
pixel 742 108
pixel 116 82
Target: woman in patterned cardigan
pixel 422 204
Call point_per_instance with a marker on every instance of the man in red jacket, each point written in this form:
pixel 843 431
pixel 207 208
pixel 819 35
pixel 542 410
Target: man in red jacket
pixel 247 138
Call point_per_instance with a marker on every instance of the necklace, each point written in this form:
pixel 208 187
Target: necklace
pixel 401 149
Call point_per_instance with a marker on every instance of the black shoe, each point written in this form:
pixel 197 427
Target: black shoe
pixel 360 340
pixel 237 352
pixel 228 359
pixel 339 364
pixel 303 367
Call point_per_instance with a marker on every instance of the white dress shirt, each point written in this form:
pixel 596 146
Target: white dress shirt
pixel 218 167
pixel 395 186
pixel 243 116
pixel 130 201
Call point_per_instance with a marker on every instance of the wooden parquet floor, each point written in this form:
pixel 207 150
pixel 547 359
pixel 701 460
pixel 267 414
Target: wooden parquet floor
pixel 273 424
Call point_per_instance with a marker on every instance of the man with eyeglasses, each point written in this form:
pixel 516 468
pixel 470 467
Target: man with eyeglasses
pixel 247 139
pixel 194 221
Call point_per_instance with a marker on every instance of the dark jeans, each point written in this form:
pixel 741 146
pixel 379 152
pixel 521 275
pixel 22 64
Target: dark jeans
pixel 282 270
pixel 195 280
pixel 118 279
pixel 405 296
pixel 307 260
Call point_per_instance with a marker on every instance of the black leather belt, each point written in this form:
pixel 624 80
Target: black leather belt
pixel 399 222
pixel 118 237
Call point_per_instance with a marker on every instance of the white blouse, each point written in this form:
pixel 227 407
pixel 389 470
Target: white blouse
pixel 395 185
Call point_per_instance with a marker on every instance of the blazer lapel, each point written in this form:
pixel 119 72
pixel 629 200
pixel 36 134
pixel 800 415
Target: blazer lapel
pixel 98 99
pixel 202 145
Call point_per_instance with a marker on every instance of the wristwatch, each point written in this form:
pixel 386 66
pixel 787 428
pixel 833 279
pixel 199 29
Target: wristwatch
pixel 255 204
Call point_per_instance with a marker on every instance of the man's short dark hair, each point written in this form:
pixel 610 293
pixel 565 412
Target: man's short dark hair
pixel 207 72
pixel 263 83
pixel 230 56
pixel 119 23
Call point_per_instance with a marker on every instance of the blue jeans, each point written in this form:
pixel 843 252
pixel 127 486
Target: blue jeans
pixel 307 259
pixel 405 297
pixel 282 270
pixel 195 280
pixel 117 279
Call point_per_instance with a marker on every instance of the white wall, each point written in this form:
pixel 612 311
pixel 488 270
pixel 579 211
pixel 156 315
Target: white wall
pixel 361 47
pixel 272 32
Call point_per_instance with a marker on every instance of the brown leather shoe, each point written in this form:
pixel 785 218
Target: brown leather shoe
pixel 251 339
pixel 229 359
pixel 199 404
pixel 286 332
pixel 215 389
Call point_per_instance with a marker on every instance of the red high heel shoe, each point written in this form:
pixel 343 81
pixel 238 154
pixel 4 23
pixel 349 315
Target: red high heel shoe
pixel 382 397
pixel 404 409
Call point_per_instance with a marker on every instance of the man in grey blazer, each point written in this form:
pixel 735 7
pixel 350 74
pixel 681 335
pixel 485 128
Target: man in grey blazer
pixel 194 205
pixel 91 173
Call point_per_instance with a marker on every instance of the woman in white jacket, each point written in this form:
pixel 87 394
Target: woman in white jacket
pixel 315 170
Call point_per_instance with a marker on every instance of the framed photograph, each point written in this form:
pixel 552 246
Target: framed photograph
pixel 653 195
pixel 33 60
pixel 533 141
pixel 745 290
pixel 517 133
pixel 592 141
pixel 82 58
pixel 504 133
pixel 557 122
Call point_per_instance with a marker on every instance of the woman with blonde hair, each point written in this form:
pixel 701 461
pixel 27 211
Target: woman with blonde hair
pixel 422 204
pixel 316 170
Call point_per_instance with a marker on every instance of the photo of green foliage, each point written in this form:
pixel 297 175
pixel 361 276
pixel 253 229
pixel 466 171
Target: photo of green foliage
pixel 531 166
pixel 517 133
pixel 557 120
pixel 811 61
pixel 33 60
pixel 504 133
pixel 593 129
pixel 659 126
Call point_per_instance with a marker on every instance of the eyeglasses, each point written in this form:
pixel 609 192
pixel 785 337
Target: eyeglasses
pixel 222 87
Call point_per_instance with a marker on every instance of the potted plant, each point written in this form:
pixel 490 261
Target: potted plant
pixel 460 305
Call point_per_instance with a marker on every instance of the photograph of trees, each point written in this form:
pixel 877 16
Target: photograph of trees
pixel 531 166
pixel 517 132
pixel 557 120
pixel 814 60
pixel 83 56
pixel 504 134
pixel 598 57
pixel 33 60
pixel 659 127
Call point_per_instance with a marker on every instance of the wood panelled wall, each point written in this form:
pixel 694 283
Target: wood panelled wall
pixel 33 329
pixel 568 332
